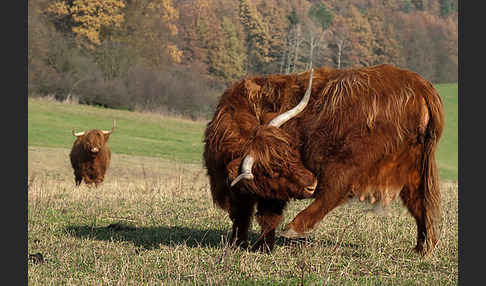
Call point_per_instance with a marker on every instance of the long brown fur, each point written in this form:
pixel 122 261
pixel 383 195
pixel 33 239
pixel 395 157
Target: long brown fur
pixel 88 166
pixel 368 132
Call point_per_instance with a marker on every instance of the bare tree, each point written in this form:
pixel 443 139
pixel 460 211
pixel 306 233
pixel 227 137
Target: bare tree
pixel 340 38
pixel 291 52
pixel 316 24
pixel 315 39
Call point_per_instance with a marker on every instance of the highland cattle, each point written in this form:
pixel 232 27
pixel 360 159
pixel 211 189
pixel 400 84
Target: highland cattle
pixel 327 134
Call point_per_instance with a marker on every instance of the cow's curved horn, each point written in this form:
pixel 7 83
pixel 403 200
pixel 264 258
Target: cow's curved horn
pixel 248 161
pixel 112 128
pixel 245 170
pixel 286 116
pixel 77 134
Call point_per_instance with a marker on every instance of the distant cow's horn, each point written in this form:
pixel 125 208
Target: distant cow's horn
pixel 245 170
pixel 77 134
pixel 276 122
pixel 286 116
pixel 112 128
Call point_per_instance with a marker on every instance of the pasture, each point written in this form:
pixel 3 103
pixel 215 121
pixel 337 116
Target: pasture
pixel 152 221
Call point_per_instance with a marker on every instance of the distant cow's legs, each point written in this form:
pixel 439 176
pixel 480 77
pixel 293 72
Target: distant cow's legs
pixel 269 216
pixel 92 176
pixel 99 180
pixel 88 179
pixel 78 178
pixel 241 212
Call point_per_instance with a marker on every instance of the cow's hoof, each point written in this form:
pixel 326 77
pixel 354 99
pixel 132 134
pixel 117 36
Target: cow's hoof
pixel 240 244
pixel 263 247
pixel 422 250
pixel 292 234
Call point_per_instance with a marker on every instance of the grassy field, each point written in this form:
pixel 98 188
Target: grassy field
pixel 50 124
pixel 447 153
pixel 152 221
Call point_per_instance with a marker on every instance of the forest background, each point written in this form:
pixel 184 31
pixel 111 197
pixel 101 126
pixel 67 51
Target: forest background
pixel 177 56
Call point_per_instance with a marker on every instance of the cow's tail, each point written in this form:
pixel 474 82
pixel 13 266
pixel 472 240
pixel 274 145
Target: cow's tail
pixel 430 173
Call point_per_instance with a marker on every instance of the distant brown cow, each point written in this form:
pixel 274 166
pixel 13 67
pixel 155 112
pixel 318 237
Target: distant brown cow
pixel 369 133
pixel 90 155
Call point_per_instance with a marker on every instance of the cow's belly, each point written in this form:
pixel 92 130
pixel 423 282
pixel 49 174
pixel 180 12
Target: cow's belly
pixel 384 180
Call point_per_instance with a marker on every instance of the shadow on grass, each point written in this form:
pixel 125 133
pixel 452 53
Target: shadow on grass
pixel 153 237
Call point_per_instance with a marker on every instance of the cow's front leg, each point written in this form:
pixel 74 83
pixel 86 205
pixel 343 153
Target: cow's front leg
pixel 241 212
pixel 268 216
pixel 305 221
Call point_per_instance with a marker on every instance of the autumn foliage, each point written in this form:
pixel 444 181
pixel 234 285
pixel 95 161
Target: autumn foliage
pixel 94 50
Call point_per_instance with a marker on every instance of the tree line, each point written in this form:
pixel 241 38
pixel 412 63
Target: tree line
pixel 177 56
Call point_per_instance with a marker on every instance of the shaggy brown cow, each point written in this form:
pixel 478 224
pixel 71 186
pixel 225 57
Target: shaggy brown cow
pixel 368 133
pixel 90 155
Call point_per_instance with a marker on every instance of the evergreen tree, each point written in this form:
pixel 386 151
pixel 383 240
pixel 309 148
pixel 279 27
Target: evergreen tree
pixel 227 58
pixel 446 7
pixel 321 15
pixel 257 37
pixel 274 14
pixel 320 19
pixel 406 6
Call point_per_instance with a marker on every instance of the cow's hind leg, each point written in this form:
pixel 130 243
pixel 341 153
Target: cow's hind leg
pixel 269 216
pixel 414 199
pixel 241 212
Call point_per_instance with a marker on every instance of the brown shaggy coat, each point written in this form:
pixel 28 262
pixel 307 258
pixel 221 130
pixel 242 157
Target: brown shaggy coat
pixel 369 133
pixel 90 157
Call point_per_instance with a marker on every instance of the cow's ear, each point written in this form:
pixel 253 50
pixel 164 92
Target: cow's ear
pixel 106 136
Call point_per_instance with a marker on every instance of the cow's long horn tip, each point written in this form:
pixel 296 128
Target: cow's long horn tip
pixel 248 176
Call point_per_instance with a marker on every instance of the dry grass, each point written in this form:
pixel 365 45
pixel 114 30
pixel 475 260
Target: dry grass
pixel 152 222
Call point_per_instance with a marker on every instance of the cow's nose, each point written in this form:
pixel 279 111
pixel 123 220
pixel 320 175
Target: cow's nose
pixel 309 190
pixel 94 150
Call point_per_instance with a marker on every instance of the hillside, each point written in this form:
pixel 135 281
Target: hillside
pixel 136 133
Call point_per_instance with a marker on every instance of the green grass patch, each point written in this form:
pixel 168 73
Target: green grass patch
pixel 447 153
pixel 50 124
